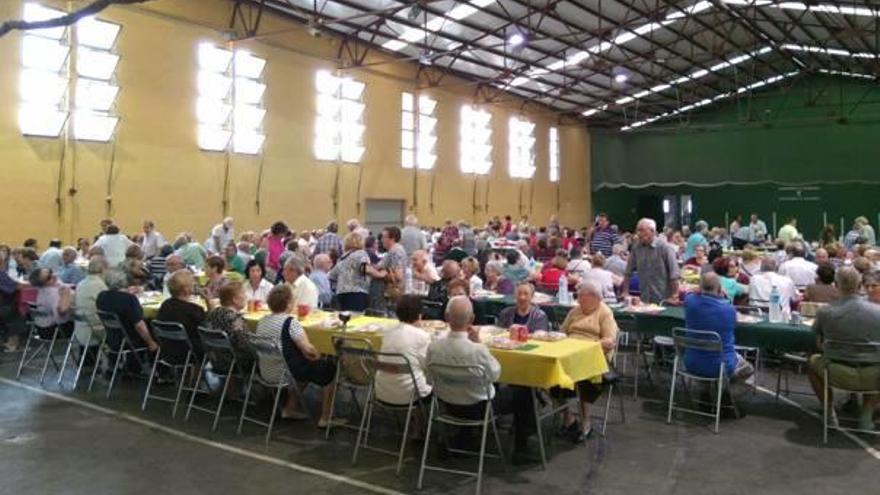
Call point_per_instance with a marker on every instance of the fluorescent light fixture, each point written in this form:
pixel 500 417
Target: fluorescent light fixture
pixel 621 78
pixel 411 35
pixel 839 52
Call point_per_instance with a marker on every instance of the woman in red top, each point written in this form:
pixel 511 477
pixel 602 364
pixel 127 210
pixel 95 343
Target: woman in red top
pixel 552 273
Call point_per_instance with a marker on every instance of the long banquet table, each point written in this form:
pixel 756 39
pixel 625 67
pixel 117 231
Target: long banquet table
pixel 543 365
pixel 782 337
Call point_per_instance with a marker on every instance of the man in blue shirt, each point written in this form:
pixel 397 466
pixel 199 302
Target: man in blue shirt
pixel 710 310
pixel 698 238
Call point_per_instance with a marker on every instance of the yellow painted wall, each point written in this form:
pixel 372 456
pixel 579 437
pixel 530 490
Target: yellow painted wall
pixel 160 173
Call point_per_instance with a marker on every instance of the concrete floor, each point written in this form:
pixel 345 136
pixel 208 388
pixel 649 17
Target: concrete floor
pixel 54 441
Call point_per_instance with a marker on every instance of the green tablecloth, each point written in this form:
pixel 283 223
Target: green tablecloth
pixel 772 336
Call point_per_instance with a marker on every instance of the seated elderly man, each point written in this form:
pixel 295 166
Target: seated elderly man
pixel 617 262
pixel 304 290
pixel 590 320
pixel 462 347
pixel 424 273
pixel 710 310
pixel 88 329
pixel 797 268
pixel 117 300
pixel 172 264
pixel 439 290
pixel 761 285
pixel 524 312
pixel 823 289
pixel 321 267
pixel 70 273
pixel 850 319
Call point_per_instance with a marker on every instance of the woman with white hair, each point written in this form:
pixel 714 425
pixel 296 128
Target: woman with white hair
pixel 494 279
pixel 590 320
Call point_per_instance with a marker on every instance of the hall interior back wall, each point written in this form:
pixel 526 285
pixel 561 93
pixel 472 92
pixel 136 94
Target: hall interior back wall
pixel 819 134
pixel 160 174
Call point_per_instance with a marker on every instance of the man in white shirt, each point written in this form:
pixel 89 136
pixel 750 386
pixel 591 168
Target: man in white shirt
pixel 798 269
pixel 153 240
pixel 424 273
pixel 757 230
pixel 761 285
pixel 114 245
pixel 304 290
pixel 462 347
pixel 411 342
pixel 221 235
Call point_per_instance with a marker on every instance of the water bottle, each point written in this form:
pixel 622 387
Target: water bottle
pixel 407 281
pixel 562 292
pixel 775 306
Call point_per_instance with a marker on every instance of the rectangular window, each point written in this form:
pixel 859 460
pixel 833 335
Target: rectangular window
pixel 229 107
pixel 418 134
pixel 521 146
pixel 475 141
pixel 50 95
pixel 43 79
pixel 339 123
pixel 554 155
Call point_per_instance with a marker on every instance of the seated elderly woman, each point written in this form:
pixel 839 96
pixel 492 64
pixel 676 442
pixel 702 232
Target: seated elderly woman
pixel 552 273
pixel 301 358
pixel 133 266
pixel 699 259
pixel 227 318
pixel 728 270
pixel 458 287
pixel 54 304
pixel 256 287
pixel 470 271
pixel 524 312
pixel 591 320
pixel 179 308
pixel 823 289
pixel 495 281
pixel 604 278
pixel 214 268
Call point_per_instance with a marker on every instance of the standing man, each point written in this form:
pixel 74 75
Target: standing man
pixel 221 235
pixel 654 260
pixel 757 230
pixel 330 241
pixel 411 237
pixel 789 232
pixel 114 245
pixel 602 236
pixel 153 240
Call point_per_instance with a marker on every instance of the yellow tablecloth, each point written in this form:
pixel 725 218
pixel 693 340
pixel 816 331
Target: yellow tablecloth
pixel 550 364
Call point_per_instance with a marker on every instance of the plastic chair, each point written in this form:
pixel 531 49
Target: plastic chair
pixel 392 364
pixel 264 348
pixel 113 327
pixel 787 361
pixel 750 352
pixel 846 354
pixel 352 371
pixel 170 334
pixel 705 341
pixel 446 379
pixel 218 349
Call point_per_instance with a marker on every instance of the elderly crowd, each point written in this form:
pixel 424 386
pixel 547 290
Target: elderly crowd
pixel 415 272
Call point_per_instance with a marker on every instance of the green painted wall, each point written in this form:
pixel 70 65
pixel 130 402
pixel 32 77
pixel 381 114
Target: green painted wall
pixel 821 132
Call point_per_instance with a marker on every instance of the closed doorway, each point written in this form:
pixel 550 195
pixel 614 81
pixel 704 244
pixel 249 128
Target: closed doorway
pixel 383 213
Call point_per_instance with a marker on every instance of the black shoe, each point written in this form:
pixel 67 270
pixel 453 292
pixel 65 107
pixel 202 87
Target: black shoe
pixel 568 431
pixel 579 435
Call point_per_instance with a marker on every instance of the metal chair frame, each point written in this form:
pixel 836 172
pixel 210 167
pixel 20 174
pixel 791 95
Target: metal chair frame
pixel 846 353
pixel 218 342
pixel 360 349
pixel 44 344
pixel 460 375
pixel 82 354
pixel 168 332
pixel 384 361
pixel 261 346
pixel 112 323
pixel 704 341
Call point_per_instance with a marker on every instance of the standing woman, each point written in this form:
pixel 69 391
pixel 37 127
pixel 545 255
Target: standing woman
pixel 274 246
pixel 350 275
